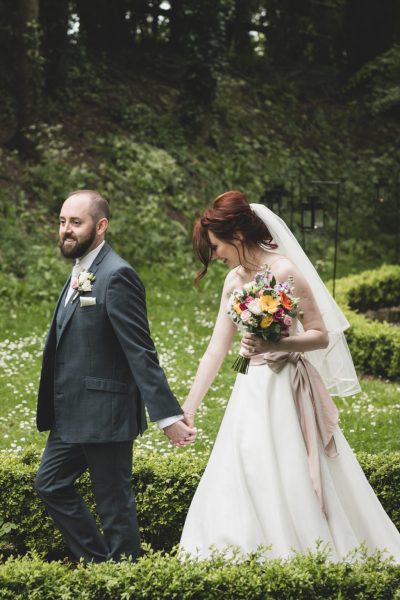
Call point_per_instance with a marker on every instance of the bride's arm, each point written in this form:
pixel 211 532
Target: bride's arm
pixel 220 342
pixel 315 335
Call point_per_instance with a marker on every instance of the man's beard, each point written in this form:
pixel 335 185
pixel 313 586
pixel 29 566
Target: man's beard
pixel 80 248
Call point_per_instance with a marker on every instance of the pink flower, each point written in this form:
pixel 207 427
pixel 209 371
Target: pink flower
pixel 245 316
pixel 287 320
pixel 279 314
pixel 74 283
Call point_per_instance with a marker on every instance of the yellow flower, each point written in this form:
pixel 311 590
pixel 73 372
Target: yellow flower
pixel 237 308
pixel 266 322
pixel 269 304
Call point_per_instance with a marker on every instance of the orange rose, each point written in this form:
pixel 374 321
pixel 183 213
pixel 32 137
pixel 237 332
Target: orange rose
pixel 286 301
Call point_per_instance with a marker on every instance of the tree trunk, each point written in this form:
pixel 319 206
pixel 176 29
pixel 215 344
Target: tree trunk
pixel 29 69
pixel 105 25
pixel 54 20
pixel 117 39
pixel 370 29
pixel 202 45
pixel 286 37
pixel 238 32
pixel 176 24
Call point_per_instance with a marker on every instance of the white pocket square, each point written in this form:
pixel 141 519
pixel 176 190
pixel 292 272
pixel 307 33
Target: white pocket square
pixel 87 301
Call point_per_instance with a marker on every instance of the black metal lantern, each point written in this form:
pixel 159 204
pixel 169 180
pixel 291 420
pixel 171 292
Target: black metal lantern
pixel 276 198
pixel 381 190
pixel 312 214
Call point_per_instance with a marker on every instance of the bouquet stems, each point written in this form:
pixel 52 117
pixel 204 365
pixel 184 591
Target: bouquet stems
pixel 241 364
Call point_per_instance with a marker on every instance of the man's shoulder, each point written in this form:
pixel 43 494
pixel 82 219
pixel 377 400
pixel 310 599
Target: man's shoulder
pixel 113 259
pixel 113 262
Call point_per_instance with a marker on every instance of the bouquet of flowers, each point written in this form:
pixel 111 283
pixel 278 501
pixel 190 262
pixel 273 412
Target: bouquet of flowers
pixel 265 308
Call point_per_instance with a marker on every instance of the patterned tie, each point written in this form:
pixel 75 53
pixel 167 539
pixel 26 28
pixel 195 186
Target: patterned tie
pixel 77 269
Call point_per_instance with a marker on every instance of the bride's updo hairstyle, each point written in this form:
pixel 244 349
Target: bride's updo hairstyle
pixel 229 216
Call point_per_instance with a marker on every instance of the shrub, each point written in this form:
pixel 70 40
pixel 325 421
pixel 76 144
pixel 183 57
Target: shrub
pixel 164 487
pixel 371 289
pixel 150 210
pixel 383 473
pixel 157 576
pixel 375 346
pixel 378 82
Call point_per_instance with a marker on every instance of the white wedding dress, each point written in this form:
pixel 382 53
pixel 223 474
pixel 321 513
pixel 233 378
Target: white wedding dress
pixel 257 489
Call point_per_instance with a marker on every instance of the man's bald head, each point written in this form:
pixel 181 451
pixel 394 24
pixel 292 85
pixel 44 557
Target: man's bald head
pixel 97 206
pixel 83 222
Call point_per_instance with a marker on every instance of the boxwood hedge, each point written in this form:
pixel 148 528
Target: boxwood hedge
pixel 375 346
pixel 164 487
pixel 157 576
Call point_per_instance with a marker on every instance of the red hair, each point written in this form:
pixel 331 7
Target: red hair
pixel 229 215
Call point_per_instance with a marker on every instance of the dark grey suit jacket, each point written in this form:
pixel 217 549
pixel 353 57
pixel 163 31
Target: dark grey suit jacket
pixel 100 368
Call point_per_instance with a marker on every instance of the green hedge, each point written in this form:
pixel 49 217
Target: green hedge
pixel 157 576
pixel 373 289
pixel 164 487
pixel 375 346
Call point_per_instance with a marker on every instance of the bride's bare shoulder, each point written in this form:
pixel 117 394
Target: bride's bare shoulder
pixel 282 268
pixel 232 281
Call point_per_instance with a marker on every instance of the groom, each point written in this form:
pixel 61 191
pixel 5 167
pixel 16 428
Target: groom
pixel 100 370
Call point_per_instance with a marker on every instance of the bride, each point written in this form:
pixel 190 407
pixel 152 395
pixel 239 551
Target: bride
pixel 281 474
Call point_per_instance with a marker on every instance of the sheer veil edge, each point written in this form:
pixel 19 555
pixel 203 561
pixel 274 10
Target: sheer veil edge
pixel 334 363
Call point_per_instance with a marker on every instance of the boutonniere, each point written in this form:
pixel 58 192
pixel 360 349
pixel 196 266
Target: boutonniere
pixel 83 283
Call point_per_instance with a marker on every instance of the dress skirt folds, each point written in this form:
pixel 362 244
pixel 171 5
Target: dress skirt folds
pixel 258 487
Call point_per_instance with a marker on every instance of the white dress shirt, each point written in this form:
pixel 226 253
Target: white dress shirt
pixel 84 263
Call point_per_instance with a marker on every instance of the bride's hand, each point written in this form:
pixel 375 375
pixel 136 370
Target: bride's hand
pixel 254 344
pixel 188 416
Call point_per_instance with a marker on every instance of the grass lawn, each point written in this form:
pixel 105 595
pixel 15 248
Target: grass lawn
pixel 181 322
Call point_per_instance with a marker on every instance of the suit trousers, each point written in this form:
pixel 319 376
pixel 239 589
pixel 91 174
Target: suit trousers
pixel 110 470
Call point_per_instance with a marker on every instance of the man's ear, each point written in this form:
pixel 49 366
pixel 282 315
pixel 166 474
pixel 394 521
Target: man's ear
pixel 102 225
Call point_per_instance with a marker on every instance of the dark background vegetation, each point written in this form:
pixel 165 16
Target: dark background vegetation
pixel 163 105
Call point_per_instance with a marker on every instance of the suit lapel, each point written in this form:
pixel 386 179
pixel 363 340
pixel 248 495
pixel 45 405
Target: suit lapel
pixel 72 305
pixel 68 312
pixel 94 267
pixel 60 307
pixel 53 325
pixel 62 295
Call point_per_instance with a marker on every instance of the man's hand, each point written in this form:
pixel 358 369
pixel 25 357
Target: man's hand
pixel 180 434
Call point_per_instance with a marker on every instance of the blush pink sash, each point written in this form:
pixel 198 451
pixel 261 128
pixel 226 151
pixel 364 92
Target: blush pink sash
pixel 317 413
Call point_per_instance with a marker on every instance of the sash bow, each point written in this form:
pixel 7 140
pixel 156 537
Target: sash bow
pixel 317 413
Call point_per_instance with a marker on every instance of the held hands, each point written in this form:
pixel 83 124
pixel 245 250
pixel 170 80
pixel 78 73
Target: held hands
pixel 253 344
pixel 180 433
pixel 188 418
pixel 188 415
